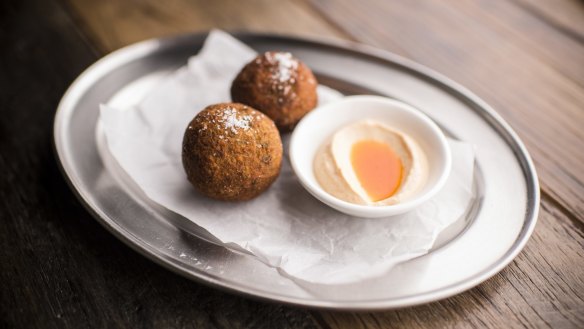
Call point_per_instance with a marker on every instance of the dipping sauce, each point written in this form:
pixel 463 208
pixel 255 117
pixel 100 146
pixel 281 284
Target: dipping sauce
pixel 371 163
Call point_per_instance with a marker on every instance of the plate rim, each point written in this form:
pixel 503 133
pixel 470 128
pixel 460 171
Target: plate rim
pixel 136 50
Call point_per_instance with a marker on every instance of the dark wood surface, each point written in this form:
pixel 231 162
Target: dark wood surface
pixel 60 269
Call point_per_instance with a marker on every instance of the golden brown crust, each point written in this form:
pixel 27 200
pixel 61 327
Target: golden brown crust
pixel 279 85
pixel 231 152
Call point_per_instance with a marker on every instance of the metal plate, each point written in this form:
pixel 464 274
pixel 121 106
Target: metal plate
pixel 495 230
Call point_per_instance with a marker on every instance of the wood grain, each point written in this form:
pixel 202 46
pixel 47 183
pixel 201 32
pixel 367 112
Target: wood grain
pixel 114 24
pixel 481 45
pixel 508 57
pixel 58 267
pixel 566 16
pixel 524 57
pixel 541 289
pixel 535 35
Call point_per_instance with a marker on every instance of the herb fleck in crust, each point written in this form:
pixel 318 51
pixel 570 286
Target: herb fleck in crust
pixel 231 152
pixel 279 85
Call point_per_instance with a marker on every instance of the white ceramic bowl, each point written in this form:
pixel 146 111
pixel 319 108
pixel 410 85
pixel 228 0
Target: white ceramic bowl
pixel 320 124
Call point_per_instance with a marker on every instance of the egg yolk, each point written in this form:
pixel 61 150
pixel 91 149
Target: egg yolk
pixel 378 168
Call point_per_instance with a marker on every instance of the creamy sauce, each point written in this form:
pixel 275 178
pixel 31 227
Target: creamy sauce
pixel 372 164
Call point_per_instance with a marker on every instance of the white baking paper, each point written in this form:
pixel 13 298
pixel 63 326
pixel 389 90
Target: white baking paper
pixel 285 227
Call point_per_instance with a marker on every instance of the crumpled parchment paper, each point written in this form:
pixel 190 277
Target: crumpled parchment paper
pixel 285 227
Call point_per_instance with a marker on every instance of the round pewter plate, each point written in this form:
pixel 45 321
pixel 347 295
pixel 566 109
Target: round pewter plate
pixel 495 229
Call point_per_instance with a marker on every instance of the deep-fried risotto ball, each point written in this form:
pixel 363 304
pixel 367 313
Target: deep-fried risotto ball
pixel 231 152
pixel 279 85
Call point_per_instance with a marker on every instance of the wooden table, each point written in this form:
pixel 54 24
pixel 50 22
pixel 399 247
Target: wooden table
pixel 61 269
